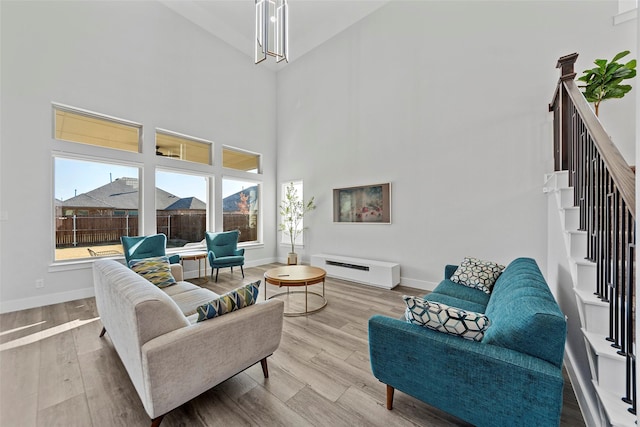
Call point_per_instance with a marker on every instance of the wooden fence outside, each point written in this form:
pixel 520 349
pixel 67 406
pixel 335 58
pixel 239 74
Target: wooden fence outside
pixel 180 229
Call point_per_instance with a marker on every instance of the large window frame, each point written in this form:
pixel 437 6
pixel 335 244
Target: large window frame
pixel 149 164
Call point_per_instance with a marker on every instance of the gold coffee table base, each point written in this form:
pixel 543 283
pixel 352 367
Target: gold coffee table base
pixel 297 275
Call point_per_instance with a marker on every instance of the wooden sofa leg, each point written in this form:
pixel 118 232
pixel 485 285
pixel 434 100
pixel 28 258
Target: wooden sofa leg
pixel 242 269
pixel 156 421
pixel 390 391
pixel 217 269
pixel 265 368
pixel 104 330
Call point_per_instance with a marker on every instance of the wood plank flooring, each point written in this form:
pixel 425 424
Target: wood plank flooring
pixel 55 371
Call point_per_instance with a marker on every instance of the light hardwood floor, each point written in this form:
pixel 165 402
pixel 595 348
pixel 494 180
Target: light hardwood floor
pixel 55 371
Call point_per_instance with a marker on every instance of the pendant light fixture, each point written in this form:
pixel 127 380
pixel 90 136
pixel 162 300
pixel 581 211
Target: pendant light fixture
pixel 272 30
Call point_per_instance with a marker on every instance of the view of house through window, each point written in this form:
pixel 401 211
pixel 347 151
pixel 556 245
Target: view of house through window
pixel 181 207
pixel 95 204
pixel 240 208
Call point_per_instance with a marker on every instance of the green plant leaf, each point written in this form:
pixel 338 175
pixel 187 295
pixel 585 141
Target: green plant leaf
pixel 620 55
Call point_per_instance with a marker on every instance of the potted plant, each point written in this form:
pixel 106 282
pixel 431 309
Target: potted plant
pixel 603 82
pixel 292 211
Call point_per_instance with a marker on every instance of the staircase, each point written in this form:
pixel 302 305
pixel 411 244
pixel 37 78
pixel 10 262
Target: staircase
pixel 607 367
pixel 595 196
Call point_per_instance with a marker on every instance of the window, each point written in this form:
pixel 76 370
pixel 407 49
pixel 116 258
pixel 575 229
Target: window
pixel 98 165
pixel 285 237
pixel 93 202
pixel 233 158
pixel 169 144
pixel 627 11
pixel 181 207
pixel 92 129
pixel 240 208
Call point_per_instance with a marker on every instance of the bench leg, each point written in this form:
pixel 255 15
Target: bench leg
pixel 265 369
pixel 104 330
pixel 156 421
pixel 390 391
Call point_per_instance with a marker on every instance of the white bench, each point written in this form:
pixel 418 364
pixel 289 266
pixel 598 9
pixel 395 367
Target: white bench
pixel 375 273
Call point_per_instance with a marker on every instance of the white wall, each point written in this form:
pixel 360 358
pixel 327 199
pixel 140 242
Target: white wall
pixel 448 102
pixel 134 60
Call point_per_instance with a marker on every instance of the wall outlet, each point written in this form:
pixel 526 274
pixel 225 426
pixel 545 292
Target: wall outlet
pixel 39 283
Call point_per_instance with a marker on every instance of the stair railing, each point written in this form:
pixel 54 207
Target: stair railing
pixel 604 189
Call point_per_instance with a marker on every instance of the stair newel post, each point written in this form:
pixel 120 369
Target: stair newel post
pixel 563 146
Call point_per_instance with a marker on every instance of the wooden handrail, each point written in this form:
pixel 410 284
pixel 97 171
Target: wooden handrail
pixel 620 171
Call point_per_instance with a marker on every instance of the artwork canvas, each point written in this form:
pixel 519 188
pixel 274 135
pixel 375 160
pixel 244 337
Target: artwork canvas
pixel 364 204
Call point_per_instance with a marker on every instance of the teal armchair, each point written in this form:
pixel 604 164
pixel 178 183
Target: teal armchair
pixel 223 251
pixel 141 247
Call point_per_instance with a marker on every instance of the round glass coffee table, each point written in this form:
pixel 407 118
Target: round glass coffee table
pixel 297 275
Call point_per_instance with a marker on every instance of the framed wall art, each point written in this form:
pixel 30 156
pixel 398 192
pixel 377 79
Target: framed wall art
pixel 370 204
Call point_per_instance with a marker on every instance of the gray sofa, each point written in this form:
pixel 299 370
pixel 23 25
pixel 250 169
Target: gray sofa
pixel 170 357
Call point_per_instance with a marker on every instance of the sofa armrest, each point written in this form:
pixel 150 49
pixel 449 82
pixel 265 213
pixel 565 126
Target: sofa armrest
pixel 176 272
pixel 449 269
pixel 184 363
pixel 480 383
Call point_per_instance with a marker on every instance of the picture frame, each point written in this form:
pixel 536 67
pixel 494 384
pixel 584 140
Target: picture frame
pixel 366 204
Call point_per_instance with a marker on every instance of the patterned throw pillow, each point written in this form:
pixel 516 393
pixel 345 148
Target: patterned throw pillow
pixel 443 318
pixel 154 269
pixel 478 274
pixel 231 301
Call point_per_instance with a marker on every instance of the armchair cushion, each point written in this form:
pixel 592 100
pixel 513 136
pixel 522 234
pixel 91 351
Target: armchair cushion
pixel 477 273
pixel 241 297
pixel 140 247
pixel 443 318
pixel 154 269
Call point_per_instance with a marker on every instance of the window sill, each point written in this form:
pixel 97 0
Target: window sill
pixel 629 15
pixel 80 264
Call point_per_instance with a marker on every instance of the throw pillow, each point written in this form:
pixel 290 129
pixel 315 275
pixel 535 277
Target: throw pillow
pixel 443 318
pixel 231 301
pixel 478 274
pixel 154 269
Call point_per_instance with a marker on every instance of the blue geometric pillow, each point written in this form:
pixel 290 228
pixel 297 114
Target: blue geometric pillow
pixel 478 274
pixel 231 301
pixel 443 318
pixel 154 269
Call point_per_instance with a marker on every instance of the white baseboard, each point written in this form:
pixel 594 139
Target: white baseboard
pixel 581 388
pixel 42 300
pixel 418 284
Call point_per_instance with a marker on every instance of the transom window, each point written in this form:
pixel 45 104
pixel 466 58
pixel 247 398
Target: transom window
pixel 86 128
pixel 181 147
pixel 233 158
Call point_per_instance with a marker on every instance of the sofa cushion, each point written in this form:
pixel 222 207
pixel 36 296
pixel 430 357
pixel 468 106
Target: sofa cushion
pixel 447 287
pixel 189 301
pixel 477 273
pixel 154 269
pixel 231 301
pixel 443 318
pixel 179 287
pixel 456 302
pixel 525 316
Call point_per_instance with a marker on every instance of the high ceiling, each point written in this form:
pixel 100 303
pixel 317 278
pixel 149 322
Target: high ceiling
pixel 311 22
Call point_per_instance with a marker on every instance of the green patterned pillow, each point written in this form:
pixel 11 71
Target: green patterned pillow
pixel 443 318
pixel 478 274
pixel 154 269
pixel 231 301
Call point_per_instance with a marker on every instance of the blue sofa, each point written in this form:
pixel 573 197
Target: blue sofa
pixel 512 377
